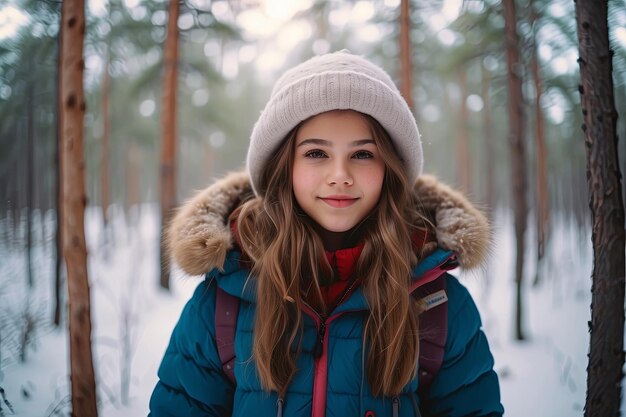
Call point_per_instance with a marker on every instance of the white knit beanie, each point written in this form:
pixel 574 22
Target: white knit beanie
pixel 335 81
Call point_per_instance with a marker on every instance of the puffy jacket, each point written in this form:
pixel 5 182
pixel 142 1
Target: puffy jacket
pixel 191 380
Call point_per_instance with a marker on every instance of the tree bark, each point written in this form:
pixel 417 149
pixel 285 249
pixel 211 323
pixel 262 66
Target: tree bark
pixel 606 352
pixel 168 143
pixel 75 251
pixel 406 67
pixel 518 159
pixel 543 203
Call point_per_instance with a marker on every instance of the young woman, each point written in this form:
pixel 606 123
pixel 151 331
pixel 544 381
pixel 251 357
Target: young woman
pixel 335 249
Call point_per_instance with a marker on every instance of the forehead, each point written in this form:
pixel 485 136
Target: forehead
pixel 343 125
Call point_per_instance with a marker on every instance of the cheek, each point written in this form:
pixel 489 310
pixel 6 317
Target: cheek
pixel 373 178
pixel 376 188
pixel 301 181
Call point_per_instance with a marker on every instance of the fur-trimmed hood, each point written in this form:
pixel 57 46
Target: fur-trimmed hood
pixel 199 235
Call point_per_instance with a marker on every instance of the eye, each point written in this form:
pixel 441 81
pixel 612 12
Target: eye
pixel 363 155
pixel 315 154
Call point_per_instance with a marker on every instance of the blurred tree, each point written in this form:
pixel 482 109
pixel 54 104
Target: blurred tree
pixel 58 186
pixel 518 157
pixel 106 138
pixel 30 168
pixel 406 65
pixel 542 209
pixel 606 352
pixel 75 250
pixel 462 148
pixel 28 134
pixel 135 37
pixel 124 42
pixel 489 140
pixel 25 59
pixel 475 39
pixel 168 140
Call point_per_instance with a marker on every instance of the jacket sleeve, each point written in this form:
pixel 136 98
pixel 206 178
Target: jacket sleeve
pixel 191 381
pixel 466 384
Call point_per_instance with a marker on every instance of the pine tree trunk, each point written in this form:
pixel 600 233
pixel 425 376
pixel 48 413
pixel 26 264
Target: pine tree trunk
pixel 406 67
pixel 518 160
pixel 462 151
pixel 75 251
pixel 606 352
pixel 168 144
pixel 543 203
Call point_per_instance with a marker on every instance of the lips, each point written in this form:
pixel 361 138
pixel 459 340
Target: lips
pixel 339 201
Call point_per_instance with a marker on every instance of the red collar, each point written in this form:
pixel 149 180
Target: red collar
pixel 343 261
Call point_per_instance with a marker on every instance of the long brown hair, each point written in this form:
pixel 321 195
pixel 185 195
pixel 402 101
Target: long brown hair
pixel 273 225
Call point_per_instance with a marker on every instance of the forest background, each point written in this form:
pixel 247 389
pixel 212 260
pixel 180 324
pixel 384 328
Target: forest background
pixel 231 52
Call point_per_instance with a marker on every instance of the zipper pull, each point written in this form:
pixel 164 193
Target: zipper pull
pixel 396 406
pixel 279 405
pixel 319 345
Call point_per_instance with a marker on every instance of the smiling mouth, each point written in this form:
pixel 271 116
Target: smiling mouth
pixel 339 202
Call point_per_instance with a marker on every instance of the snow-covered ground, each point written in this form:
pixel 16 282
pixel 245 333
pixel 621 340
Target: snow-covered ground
pixel 132 321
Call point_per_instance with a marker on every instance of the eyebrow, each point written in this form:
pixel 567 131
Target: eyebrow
pixel 324 142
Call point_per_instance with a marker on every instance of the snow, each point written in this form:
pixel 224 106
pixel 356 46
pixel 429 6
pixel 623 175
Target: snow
pixel 132 320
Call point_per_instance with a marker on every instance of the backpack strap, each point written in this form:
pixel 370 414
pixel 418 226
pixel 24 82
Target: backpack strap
pixel 433 330
pixel 226 311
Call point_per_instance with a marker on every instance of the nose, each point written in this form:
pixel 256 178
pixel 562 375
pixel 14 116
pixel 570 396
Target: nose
pixel 340 175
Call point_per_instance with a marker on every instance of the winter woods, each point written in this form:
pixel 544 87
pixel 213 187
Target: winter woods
pixel 170 92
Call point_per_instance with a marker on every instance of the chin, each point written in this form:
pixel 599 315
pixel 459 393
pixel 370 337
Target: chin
pixel 337 228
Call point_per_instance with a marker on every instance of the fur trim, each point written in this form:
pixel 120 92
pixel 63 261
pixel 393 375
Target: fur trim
pixel 199 237
pixel 459 225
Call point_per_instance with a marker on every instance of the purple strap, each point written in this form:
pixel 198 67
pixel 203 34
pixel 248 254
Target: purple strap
pixel 433 334
pixel 226 311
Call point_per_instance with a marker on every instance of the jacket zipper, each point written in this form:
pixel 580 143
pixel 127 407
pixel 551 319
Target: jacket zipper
pixel 321 332
pixel 320 354
pixel 320 364
pixel 319 345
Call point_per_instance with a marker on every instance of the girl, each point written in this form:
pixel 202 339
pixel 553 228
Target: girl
pixel 326 246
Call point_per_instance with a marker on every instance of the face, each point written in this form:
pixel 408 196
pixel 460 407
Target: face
pixel 337 169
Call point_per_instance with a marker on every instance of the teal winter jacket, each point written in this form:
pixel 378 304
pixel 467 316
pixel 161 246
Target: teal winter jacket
pixel 191 380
